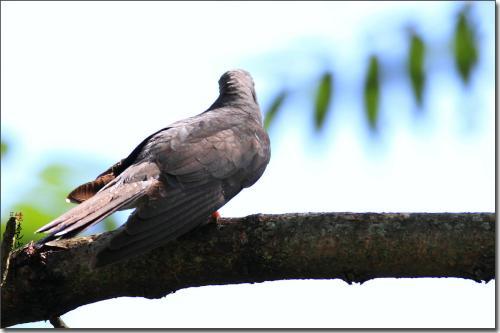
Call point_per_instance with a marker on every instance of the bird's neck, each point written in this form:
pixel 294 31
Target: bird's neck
pixel 237 103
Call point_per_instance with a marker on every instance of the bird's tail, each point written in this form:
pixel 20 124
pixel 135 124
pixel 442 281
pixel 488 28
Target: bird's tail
pixel 111 198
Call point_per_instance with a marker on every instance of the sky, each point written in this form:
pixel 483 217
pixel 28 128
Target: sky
pixel 90 80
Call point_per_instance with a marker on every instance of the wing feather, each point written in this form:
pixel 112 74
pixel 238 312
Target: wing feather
pixel 199 177
pixel 142 233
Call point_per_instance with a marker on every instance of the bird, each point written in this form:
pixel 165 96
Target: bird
pixel 176 178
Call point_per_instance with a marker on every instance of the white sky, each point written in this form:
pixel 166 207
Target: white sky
pixel 115 72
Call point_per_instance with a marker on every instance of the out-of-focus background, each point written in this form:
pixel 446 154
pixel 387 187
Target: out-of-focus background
pixel 370 106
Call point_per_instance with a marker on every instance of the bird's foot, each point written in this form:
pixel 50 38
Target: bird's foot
pixel 215 217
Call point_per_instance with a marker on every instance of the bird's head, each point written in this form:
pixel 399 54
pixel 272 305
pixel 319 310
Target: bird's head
pixel 237 83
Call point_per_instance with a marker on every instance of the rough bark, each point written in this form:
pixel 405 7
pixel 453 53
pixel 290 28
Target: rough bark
pixel 355 247
pixel 8 242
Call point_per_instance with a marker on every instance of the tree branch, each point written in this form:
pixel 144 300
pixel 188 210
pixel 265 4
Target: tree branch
pixel 48 282
pixel 57 322
pixel 8 242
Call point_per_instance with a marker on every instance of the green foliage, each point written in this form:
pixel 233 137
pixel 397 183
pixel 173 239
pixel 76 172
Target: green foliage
pixel 46 200
pixel 3 148
pixel 273 110
pixel 372 92
pixel 415 66
pixel 466 54
pixel 109 223
pixel 465 45
pixel 54 175
pixel 43 202
pixel 323 98
pixel 34 217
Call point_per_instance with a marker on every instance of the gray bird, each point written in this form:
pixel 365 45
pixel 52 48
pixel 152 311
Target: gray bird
pixel 177 177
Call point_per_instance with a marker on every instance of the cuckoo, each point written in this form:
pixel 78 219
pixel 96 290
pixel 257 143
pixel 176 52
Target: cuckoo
pixel 175 178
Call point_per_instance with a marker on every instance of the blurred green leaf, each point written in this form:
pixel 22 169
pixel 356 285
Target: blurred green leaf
pixel 271 113
pixel 33 218
pixel 110 223
pixel 44 201
pixel 372 92
pixel 465 45
pixel 3 148
pixel 323 97
pixel 54 174
pixel 415 66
